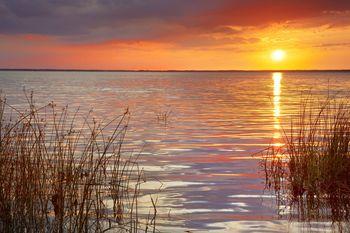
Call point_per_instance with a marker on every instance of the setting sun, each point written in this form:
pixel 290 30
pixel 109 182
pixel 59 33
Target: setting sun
pixel 278 55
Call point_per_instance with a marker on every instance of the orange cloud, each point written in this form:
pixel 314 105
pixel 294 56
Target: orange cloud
pixel 165 35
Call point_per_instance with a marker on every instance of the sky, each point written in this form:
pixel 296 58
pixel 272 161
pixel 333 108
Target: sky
pixel 174 34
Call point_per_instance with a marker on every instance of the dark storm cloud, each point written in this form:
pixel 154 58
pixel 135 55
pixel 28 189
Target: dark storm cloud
pixel 79 17
pixel 93 20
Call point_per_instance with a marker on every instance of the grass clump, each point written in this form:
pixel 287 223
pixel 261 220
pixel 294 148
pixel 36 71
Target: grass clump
pixel 310 170
pixel 163 117
pixel 62 171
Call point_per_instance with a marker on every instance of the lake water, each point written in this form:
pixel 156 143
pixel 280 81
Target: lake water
pixel 202 154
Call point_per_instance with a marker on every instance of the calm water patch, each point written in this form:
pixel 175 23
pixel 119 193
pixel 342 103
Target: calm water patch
pixel 199 163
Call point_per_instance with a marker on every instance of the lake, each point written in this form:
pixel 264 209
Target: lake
pixel 196 133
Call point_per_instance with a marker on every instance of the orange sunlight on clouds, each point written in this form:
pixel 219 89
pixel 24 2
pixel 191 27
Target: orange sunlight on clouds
pixel 312 38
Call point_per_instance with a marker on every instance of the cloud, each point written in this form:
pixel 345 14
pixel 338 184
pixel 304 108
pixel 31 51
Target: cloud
pixel 331 45
pixel 68 32
pixel 257 12
pixel 141 18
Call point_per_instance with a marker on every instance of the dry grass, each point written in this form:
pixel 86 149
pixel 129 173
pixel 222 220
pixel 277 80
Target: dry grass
pixel 310 173
pixel 163 117
pixel 61 171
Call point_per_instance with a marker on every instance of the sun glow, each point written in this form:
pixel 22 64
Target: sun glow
pixel 278 55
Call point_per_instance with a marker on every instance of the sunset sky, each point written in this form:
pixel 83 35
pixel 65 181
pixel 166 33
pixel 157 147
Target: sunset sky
pixel 174 34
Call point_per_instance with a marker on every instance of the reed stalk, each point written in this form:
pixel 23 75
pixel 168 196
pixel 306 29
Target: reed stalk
pixel 310 170
pixel 63 171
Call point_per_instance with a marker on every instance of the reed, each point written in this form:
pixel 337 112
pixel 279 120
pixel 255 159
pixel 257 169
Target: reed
pixel 163 117
pixel 63 171
pixel 310 171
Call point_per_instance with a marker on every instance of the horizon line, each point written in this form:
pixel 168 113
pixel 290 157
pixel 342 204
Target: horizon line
pixel 171 70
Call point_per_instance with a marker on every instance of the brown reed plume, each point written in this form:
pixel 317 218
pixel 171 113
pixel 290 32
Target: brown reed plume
pixel 61 171
pixel 310 171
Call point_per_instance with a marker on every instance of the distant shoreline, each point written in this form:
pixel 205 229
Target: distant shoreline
pixel 182 71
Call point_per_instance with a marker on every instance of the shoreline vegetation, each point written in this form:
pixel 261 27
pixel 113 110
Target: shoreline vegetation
pixel 309 171
pixel 64 171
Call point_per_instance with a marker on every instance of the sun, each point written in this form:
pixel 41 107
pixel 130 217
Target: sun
pixel 278 55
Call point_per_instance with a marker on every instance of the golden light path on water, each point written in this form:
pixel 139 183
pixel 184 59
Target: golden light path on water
pixel 277 78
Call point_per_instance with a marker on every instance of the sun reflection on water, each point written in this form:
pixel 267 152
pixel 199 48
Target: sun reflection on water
pixel 277 78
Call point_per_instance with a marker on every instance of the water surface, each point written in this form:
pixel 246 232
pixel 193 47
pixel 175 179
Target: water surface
pixel 202 155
